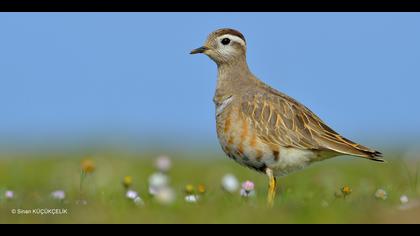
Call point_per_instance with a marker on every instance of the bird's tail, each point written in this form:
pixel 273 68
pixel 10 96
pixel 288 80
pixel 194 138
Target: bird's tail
pixel 349 147
pixel 373 155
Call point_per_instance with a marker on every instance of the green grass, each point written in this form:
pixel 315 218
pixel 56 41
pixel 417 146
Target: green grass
pixel 304 197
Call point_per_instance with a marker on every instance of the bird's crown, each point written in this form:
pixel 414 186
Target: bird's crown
pixel 227 31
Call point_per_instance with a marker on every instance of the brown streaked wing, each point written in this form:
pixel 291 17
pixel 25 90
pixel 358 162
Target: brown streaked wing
pixel 277 122
pixel 291 124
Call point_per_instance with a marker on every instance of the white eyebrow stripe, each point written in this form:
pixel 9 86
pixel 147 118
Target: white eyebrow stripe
pixel 232 38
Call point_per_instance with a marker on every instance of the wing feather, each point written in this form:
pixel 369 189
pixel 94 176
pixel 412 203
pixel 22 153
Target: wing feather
pixel 281 120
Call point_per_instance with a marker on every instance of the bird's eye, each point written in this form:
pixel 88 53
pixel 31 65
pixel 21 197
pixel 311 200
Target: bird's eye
pixel 225 41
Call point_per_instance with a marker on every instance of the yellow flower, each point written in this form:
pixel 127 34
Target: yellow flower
pixel 201 189
pixel 346 190
pixel 127 181
pixel 88 166
pixel 189 189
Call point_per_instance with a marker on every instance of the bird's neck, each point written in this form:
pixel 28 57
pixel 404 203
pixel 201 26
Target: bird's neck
pixel 232 76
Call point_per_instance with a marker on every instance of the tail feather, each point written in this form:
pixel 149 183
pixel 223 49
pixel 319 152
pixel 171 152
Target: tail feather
pixel 348 147
pixel 368 152
pixel 374 156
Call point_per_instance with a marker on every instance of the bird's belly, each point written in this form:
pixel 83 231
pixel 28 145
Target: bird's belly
pixel 287 161
pixel 240 142
pixel 292 160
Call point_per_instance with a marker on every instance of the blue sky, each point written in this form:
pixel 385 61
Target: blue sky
pixel 125 77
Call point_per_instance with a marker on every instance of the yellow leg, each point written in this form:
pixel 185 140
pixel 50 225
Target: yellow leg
pixel 271 187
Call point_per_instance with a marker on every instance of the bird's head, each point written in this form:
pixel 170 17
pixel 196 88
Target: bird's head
pixel 224 46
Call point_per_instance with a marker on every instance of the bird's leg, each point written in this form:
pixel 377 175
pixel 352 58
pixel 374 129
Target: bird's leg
pixel 271 187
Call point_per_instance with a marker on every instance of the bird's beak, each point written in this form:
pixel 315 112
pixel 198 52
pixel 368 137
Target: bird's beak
pixel 199 50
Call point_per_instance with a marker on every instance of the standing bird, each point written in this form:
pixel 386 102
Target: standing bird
pixel 262 128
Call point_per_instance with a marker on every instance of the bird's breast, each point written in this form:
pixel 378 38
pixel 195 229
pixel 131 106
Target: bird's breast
pixel 240 141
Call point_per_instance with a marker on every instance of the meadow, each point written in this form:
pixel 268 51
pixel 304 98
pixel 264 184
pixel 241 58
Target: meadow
pixel 342 190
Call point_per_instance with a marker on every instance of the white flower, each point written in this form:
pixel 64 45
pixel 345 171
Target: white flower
pixel 131 194
pixel 138 201
pixel 230 183
pixel 9 195
pixel 158 180
pixel 381 194
pixel 404 199
pixel 58 195
pixel 163 163
pixel 191 198
pixel 165 196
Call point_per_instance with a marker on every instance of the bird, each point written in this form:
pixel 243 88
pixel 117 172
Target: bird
pixel 262 128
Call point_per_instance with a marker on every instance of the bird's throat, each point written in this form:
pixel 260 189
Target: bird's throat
pixel 231 80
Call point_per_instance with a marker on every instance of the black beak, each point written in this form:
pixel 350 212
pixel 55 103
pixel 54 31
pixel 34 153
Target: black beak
pixel 199 50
